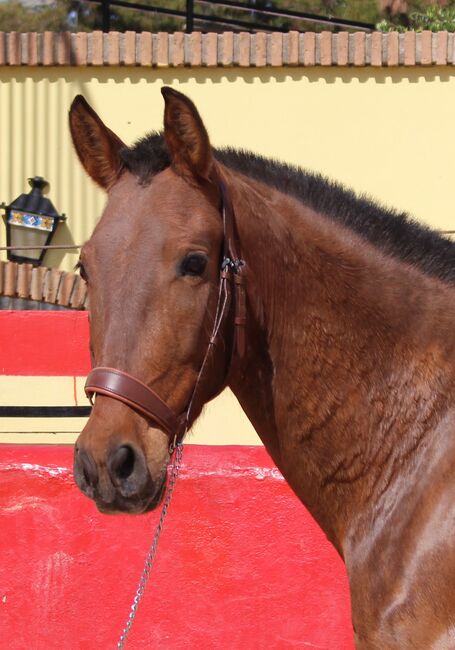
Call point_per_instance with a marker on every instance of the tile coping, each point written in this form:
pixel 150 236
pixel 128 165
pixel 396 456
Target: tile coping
pixel 226 49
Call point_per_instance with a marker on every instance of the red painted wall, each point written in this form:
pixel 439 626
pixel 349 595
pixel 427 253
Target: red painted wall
pixel 44 343
pixel 240 564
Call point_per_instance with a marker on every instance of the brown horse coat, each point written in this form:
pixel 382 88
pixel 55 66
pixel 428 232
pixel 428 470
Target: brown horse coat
pixel 348 376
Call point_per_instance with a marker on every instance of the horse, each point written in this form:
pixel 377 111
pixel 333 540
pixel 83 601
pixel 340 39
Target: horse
pixel 330 317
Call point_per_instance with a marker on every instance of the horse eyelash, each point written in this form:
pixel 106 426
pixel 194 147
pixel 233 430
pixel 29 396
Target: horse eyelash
pixel 80 267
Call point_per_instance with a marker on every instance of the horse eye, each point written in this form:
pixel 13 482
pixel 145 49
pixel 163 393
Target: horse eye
pixel 82 271
pixel 193 264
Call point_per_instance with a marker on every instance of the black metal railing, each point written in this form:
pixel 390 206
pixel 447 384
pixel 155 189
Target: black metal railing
pixel 257 22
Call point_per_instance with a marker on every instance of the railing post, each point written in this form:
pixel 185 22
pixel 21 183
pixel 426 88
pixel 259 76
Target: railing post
pixel 189 16
pixel 106 15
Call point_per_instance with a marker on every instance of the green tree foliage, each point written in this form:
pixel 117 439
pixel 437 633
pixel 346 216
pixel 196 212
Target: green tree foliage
pixel 421 16
pixel 14 17
pixel 81 15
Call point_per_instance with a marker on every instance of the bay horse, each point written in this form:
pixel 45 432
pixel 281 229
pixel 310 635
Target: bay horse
pixel 332 320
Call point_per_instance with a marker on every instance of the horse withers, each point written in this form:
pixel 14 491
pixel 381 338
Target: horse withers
pixel 330 318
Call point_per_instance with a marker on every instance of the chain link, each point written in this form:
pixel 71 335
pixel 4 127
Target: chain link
pixel 153 547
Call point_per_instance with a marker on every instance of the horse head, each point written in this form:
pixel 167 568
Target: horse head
pixel 152 266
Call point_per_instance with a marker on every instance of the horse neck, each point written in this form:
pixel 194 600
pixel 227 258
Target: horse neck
pixel 350 354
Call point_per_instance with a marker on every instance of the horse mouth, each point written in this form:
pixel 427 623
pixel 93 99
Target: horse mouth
pixel 122 506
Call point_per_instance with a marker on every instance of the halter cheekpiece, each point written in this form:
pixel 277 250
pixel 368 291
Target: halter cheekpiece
pixel 125 388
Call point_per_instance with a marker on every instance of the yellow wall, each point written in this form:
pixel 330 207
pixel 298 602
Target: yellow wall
pixel 387 132
pixel 221 423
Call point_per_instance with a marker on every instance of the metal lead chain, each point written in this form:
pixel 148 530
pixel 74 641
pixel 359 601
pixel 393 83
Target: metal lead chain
pixel 153 547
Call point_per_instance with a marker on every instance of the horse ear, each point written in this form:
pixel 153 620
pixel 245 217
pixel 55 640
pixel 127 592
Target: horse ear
pixel 186 137
pixel 97 146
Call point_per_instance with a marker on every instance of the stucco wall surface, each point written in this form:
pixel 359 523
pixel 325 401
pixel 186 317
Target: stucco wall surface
pixel 44 361
pixel 240 566
pixel 384 131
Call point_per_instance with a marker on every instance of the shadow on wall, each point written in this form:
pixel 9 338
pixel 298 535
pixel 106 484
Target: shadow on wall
pixel 170 76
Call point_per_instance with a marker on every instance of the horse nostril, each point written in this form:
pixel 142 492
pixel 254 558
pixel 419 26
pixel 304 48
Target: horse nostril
pixel 122 462
pixel 85 470
pixel 128 470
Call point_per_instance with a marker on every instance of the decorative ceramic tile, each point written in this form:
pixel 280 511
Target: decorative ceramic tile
pixel 29 220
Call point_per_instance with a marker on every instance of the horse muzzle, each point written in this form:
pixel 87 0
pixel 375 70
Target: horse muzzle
pixel 121 484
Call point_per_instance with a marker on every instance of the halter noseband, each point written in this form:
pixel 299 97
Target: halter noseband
pixel 134 393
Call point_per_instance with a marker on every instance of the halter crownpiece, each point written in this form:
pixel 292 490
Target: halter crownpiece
pixel 125 388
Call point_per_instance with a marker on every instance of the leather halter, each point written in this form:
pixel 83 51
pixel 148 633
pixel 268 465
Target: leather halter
pixel 134 393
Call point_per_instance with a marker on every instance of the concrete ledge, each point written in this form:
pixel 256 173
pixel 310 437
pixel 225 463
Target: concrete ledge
pixel 226 50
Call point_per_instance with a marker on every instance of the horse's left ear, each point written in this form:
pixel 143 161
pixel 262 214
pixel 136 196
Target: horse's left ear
pixel 186 137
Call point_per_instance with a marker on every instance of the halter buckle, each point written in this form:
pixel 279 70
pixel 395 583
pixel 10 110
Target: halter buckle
pixel 232 265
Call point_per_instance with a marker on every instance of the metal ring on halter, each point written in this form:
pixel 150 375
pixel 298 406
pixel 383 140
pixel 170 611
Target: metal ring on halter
pixel 174 444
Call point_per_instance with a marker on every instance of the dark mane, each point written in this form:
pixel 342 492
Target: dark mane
pixel 395 233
